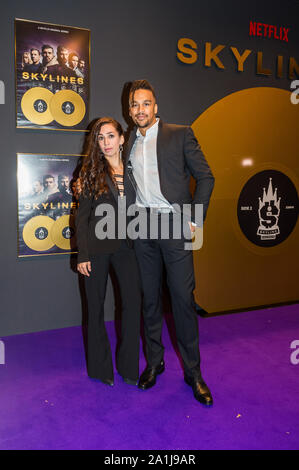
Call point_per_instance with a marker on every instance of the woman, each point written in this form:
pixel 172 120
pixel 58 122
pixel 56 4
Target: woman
pixel 103 180
pixel 26 59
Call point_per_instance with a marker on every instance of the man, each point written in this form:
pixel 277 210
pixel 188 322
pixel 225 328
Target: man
pixel 81 66
pixel 35 66
pixel 49 184
pixel 161 157
pixel 48 57
pixel 62 67
pixel 36 195
pixel 60 201
pixel 73 64
pixel 37 188
pixel 63 194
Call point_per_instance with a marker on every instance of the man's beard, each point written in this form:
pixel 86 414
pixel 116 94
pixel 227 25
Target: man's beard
pixel 143 124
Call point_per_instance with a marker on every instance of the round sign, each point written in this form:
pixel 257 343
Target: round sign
pixel 268 208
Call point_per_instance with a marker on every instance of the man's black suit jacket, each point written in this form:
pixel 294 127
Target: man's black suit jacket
pixel 179 155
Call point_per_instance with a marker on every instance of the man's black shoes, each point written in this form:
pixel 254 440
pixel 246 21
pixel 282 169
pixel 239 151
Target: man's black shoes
pixel 148 377
pixel 200 389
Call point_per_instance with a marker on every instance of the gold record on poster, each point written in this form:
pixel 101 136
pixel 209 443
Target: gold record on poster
pixel 63 231
pixel 67 108
pixel 37 233
pixel 35 105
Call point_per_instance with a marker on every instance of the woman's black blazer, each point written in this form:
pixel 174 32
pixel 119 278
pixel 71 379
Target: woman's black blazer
pixel 86 219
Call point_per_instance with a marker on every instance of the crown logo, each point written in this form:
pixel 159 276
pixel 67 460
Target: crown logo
pixel 269 210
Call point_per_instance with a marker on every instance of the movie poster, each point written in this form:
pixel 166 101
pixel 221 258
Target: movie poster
pixel 47 204
pixel 52 76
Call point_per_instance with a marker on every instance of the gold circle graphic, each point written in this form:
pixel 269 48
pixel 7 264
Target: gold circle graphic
pixel 64 223
pixel 27 104
pixel 37 233
pixel 56 106
pixel 241 135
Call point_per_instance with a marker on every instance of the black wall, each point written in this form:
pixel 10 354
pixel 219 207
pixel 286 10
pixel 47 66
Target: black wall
pixel 129 40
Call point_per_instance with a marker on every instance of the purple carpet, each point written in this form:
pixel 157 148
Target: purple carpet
pixel 48 402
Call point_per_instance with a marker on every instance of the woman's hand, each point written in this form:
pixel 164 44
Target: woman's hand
pixel 84 268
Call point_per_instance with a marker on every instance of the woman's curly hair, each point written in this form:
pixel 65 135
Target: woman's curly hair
pixel 95 166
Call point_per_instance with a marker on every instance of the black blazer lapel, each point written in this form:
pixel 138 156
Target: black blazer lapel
pixel 129 180
pixel 129 145
pixel 112 187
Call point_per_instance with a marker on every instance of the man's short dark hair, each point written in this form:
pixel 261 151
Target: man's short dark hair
pixel 46 177
pixel 142 85
pixel 47 46
pixel 62 176
pixel 60 48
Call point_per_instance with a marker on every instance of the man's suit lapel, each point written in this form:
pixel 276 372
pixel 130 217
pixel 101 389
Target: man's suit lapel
pixel 128 171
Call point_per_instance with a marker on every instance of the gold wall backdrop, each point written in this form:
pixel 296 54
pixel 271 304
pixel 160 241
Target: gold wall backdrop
pixel 250 132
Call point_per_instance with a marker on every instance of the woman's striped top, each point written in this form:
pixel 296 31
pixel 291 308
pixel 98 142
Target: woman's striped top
pixel 119 179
